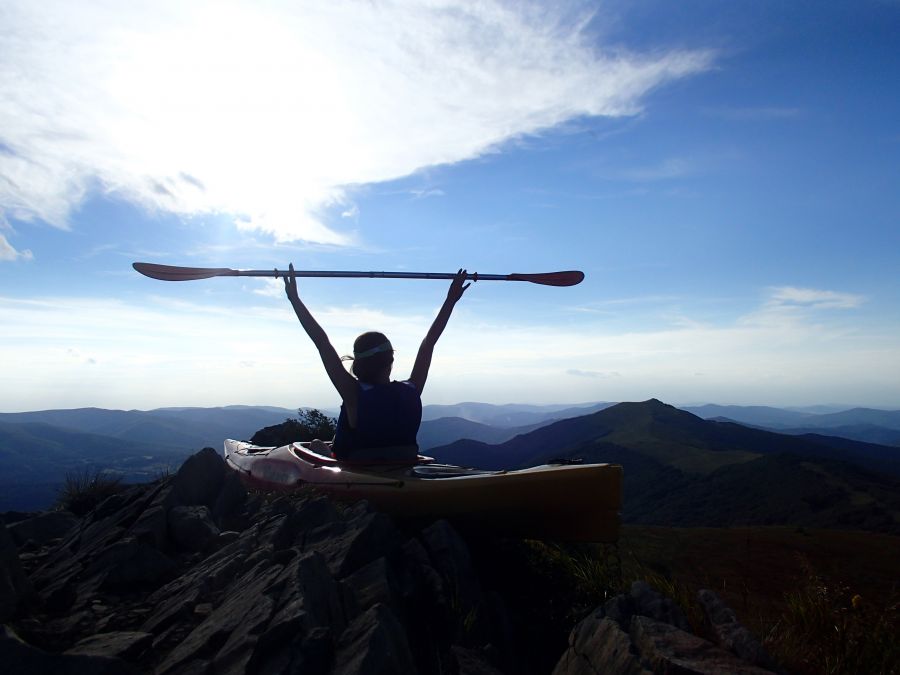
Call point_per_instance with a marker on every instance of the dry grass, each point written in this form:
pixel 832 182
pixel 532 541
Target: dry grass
pixel 84 489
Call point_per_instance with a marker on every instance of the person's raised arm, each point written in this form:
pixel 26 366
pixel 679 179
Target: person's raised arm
pixel 426 350
pixel 343 381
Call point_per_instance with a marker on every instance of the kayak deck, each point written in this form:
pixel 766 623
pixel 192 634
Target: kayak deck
pixel 562 502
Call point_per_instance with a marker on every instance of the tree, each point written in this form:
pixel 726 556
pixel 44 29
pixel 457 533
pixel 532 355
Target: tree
pixel 310 424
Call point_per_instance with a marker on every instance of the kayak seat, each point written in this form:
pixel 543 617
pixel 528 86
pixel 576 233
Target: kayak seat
pixel 447 471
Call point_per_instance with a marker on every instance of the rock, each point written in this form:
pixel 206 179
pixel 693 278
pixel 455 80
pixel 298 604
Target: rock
pixel 127 645
pixel 366 538
pixel 472 662
pixel 599 645
pixel 152 527
pixel 671 650
pixel 43 528
pixel 373 584
pixel 730 633
pixel 191 528
pixel 230 499
pixel 249 607
pixel 130 563
pixel 648 602
pixel 15 587
pixel 19 658
pixel 642 632
pixel 200 478
pixel 309 597
pixel 451 558
pixel 374 644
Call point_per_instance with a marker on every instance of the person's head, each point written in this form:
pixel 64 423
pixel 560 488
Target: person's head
pixel 372 356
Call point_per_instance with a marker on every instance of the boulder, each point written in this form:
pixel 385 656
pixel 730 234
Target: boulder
pixel 730 633
pixel 19 658
pixel 191 528
pixel 472 662
pixel 599 645
pixel 365 538
pixel 648 602
pixel 43 528
pixel 249 608
pixel 451 558
pixel 127 645
pixel 15 587
pixel 374 644
pixel 644 632
pixel 200 478
pixel 671 650
pixel 373 584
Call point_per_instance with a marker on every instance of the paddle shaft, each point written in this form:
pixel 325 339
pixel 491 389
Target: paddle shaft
pixel 174 273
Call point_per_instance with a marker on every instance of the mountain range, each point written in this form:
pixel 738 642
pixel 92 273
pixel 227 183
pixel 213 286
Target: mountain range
pixel 679 467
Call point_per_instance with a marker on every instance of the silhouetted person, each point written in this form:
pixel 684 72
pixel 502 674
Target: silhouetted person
pixel 379 417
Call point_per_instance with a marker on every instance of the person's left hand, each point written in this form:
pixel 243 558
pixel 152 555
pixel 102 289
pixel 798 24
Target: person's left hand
pixel 458 286
pixel 290 284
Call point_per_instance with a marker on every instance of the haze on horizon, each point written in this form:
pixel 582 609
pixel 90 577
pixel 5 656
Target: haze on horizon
pixel 727 175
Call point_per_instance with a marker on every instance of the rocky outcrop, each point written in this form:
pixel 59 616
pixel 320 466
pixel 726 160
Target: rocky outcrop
pixel 193 575
pixel 15 589
pixel 645 632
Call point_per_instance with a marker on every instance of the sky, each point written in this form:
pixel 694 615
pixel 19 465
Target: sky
pixel 726 174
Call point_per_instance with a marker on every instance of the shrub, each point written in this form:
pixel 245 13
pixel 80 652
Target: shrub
pixel 310 424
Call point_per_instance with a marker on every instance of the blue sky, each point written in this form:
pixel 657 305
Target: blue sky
pixel 727 175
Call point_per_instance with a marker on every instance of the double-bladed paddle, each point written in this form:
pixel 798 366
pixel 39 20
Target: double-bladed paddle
pixel 173 273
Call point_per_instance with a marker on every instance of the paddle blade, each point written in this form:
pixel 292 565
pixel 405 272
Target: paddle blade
pixel 173 273
pixel 570 278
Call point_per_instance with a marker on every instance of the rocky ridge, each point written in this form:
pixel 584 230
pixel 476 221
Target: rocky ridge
pixel 193 575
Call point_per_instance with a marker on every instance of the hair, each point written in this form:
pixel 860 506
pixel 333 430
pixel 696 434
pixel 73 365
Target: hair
pixel 366 368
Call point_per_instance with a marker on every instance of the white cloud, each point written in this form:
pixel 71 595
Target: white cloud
pixel 272 112
pixel 7 252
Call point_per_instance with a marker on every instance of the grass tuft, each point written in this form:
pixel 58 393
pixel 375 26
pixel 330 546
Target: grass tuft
pixel 828 628
pixel 84 489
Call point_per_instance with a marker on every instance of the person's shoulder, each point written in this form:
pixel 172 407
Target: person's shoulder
pixel 407 383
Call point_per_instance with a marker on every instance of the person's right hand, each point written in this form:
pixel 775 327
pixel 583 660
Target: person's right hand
pixel 290 284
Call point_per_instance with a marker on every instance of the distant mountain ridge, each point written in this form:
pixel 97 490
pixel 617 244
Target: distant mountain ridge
pixel 511 414
pixel 784 418
pixel 186 428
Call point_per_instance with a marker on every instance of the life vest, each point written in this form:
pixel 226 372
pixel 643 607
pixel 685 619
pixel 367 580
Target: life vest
pixel 387 416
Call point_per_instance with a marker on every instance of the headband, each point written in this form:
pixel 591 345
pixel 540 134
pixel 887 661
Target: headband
pixel 385 347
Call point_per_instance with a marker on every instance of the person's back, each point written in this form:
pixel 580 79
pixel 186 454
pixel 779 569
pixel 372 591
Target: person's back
pixel 387 422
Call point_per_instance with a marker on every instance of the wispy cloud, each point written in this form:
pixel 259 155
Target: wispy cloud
pixel 8 253
pixel 171 352
pixel 791 296
pixel 593 374
pixel 272 113
pixel 427 192
pixel 673 167
pixel 759 113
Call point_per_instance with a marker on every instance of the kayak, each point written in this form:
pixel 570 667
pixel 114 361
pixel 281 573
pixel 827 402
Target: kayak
pixel 564 502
